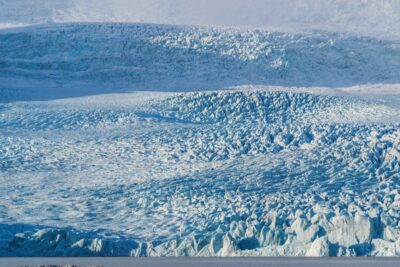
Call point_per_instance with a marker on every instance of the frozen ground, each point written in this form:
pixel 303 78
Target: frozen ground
pixel 300 157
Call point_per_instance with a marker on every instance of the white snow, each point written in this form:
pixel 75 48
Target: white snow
pixel 372 18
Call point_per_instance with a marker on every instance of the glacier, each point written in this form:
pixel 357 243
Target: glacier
pixel 379 19
pixel 37 62
pixel 121 139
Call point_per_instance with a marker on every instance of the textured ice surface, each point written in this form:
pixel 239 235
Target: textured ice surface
pixel 281 167
pixel 218 173
pixel 52 61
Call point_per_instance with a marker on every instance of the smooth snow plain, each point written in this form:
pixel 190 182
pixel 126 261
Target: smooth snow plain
pixel 152 140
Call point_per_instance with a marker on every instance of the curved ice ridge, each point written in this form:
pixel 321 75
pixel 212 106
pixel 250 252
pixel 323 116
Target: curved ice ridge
pixel 155 57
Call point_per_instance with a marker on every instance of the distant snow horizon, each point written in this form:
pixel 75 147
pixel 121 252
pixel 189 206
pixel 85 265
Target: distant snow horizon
pixel 378 19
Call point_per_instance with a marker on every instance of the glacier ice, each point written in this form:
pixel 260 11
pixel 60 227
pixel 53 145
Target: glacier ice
pixel 49 62
pixel 173 177
pixel 358 17
pixel 269 164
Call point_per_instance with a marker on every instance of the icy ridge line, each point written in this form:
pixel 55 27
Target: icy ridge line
pixel 159 57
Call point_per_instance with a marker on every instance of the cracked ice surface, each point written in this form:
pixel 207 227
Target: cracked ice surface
pixel 244 172
pixel 88 167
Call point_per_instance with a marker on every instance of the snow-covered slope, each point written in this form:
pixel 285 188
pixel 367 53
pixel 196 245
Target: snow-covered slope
pixel 373 18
